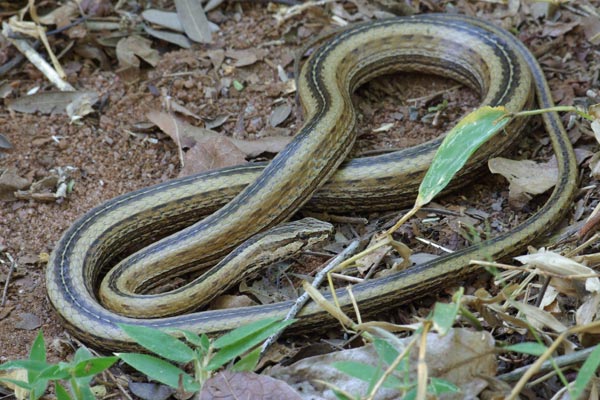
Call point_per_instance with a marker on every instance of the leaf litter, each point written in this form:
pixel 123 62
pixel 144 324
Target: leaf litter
pixel 208 93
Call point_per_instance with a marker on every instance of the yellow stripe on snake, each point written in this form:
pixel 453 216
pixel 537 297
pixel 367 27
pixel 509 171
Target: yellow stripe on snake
pixel 190 223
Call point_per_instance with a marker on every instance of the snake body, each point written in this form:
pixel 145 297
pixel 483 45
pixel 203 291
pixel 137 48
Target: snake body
pixel 153 231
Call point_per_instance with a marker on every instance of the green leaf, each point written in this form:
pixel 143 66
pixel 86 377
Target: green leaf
pixel 460 143
pixel 239 86
pixel 248 362
pixel 61 392
pixel 159 343
pixel 54 373
pixel 367 373
pixel 84 391
pixel 440 386
pixel 82 354
pixel 93 366
pixel 21 384
pixel 191 337
pixel 243 342
pixel 444 314
pixel 388 354
pixel 160 370
pixel 586 373
pixel 29 365
pixel 204 343
pixel 243 332
pixel 38 348
pixel 533 348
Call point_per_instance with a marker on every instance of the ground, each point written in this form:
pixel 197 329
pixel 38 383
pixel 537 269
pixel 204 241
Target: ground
pixel 112 155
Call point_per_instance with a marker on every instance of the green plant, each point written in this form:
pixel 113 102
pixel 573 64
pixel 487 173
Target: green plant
pixel 79 372
pixel 206 355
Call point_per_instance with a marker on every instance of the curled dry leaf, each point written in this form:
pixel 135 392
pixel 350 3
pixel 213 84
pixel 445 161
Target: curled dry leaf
pixel 525 177
pixel 62 15
pixel 461 357
pixel 556 264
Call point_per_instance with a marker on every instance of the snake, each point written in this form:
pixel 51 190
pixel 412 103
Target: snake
pixel 139 240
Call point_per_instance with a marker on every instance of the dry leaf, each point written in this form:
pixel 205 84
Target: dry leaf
pixel 175 38
pixel 228 385
pixel 194 21
pixel 538 317
pixel 210 150
pixel 211 153
pixel 10 182
pixel 460 357
pixel 525 177
pixel 130 48
pixel 17 374
pixel 555 29
pixel 62 15
pixel 55 103
pixel 217 56
pixel 591 29
pixel 280 114
pixel 162 18
pixel 556 264
pixel 5 143
pixel 245 57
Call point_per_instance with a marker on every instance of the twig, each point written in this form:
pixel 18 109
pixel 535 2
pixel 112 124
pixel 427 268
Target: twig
pixel 13 266
pixel 560 361
pixel 25 48
pixel 301 301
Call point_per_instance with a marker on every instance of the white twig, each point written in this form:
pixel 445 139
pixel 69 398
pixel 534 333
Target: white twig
pixel 301 301
pixel 37 60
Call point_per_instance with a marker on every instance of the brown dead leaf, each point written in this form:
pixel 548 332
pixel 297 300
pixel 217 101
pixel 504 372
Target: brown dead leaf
pixel 373 259
pixel 208 149
pixel 61 16
pixel 555 29
pixel 217 56
pixel 245 57
pixel 10 182
pixel 131 49
pixel 591 29
pixel 228 385
pixel 211 153
pixel 525 177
